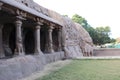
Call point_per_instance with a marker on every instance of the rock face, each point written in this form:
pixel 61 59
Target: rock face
pixel 86 43
pixel 76 40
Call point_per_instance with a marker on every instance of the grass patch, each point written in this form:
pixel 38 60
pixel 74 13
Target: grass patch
pixel 87 70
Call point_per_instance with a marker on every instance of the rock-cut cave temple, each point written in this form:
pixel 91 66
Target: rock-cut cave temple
pixel 32 36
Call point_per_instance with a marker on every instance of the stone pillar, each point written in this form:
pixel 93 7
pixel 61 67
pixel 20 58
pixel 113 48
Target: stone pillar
pixel 1 5
pixel 37 38
pixel 50 41
pixel 1 43
pixel 19 45
pixel 59 39
pixel 46 42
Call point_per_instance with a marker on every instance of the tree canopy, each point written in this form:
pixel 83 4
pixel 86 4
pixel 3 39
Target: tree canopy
pixel 102 36
pixel 99 35
pixel 79 19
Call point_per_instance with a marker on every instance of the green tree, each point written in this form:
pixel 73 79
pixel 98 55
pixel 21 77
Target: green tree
pixel 103 34
pixel 100 35
pixel 79 19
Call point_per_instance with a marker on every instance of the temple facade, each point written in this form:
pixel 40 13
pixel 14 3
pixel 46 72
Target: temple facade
pixel 32 36
pixel 23 32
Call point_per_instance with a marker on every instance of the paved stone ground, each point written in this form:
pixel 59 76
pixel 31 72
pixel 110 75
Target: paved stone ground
pixel 48 69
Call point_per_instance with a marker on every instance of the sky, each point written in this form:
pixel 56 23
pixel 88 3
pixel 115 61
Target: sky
pixel 96 12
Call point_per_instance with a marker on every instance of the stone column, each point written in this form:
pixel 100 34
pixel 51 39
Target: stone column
pixel 46 41
pixel 19 45
pixel 37 38
pixel 1 43
pixel 1 5
pixel 50 41
pixel 59 39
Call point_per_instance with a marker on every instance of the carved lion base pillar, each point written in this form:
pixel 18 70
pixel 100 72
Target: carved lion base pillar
pixel 19 45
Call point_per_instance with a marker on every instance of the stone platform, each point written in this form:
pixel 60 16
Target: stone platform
pixel 20 67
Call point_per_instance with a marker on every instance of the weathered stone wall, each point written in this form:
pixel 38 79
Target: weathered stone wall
pixel 106 52
pixel 22 66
